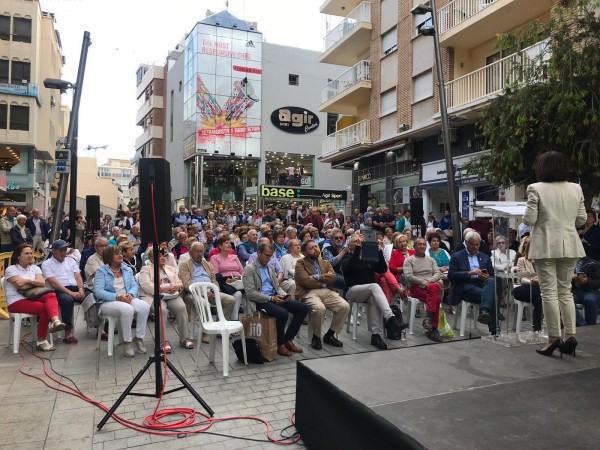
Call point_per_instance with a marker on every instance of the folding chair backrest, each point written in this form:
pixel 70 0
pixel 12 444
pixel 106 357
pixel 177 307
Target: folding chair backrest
pixel 200 292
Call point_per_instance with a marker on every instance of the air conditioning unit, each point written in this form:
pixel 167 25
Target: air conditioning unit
pixel 52 100
pixel 406 153
pixel 453 136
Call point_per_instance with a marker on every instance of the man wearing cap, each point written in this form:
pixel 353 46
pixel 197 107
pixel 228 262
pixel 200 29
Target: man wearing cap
pixel 62 274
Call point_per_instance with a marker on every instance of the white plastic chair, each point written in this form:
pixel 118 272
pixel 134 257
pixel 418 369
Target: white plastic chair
pixel 112 323
pixel 209 326
pixel 463 315
pixel 413 309
pixel 14 326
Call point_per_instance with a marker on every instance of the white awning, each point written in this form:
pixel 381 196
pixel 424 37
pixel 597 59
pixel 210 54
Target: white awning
pixel 501 209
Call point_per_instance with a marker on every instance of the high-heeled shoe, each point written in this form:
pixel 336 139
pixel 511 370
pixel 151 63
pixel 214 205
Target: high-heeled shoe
pixel 570 345
pixel 557 344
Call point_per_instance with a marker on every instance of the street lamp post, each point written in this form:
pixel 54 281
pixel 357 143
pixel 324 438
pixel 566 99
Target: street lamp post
pixel 70 144
pixel 433 31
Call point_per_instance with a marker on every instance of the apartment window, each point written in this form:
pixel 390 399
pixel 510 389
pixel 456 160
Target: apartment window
pixel 19 117
pixel 388 102
pixel 21 71
pixel 294 80
pixel 5 28
pixel 389 41
pixel 421 21
pixel 21 30
pixel 172 105
pixel 3 116
pixel 180 85
pixel 3 70
pixel 331 123
pixel 422 86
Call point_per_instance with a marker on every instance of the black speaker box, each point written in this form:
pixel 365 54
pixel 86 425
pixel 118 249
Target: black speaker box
pixel 155 199
pixel 416 208
pixel 92 212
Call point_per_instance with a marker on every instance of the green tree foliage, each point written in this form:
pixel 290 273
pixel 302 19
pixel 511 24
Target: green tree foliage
pixel 553 105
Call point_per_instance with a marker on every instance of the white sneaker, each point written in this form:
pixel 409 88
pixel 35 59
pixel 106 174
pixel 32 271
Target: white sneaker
pixel 139 345
pixel 128 349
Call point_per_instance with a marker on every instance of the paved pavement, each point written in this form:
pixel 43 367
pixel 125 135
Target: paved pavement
pixel 34 416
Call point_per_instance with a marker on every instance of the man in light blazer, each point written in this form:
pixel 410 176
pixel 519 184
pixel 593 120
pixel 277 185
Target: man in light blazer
pixel 472 275
pixel 197 269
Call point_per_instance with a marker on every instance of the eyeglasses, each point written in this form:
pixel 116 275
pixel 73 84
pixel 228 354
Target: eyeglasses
pixel 501 243
pixel 337 237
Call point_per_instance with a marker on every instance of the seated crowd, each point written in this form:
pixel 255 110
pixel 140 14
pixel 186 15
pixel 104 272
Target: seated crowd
pixel 299 266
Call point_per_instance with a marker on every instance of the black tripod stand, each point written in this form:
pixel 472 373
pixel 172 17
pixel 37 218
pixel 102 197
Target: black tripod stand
pixel 157 359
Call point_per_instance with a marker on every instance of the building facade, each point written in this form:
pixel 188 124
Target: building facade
pixel 31 116
pixel 150 81
pixel 389 131
pixel 120 172
pixel 244 127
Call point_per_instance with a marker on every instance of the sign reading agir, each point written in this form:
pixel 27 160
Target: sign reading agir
pixel 292 119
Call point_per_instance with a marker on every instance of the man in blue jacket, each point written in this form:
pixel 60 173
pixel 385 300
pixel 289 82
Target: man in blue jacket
pixel 472 275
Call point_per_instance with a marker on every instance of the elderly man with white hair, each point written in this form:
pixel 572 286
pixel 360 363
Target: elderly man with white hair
pixel 20 234
pixel 472 275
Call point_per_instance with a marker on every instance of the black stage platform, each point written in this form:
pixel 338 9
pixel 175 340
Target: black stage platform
pixel 458 395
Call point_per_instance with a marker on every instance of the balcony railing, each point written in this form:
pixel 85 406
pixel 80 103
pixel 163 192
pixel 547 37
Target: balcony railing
pixel 457 11
pixel 494 78
pixel 356 73
pixel 362 13
pixel 357 134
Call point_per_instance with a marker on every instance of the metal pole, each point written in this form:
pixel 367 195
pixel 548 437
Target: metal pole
pixel 244 182
pixel 200 170
pixel 64 178
pixel 196 176
pixel 73 190
pixel 456 231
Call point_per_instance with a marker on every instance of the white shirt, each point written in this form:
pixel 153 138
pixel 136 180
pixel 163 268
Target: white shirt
pixel 63 272
pixel 10 291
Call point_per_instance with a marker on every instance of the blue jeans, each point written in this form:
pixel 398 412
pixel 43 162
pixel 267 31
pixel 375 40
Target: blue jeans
pixel 339 281
pixel 281 313
pixel 66 303
pixel 483 294
pixel 589 300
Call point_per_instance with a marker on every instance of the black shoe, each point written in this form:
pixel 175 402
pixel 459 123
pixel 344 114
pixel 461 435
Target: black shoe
pixel 484 317
pixel 434 335
pixel 332 340
pixel 394 328
pixel 378 342
pixel 569 346
pixel 418 314
pixel 557 344
pixel 316 343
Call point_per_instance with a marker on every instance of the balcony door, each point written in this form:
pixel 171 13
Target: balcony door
pixel 494 75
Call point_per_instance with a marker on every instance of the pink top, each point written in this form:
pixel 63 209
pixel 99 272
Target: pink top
pixel 227 267
pixel 216 251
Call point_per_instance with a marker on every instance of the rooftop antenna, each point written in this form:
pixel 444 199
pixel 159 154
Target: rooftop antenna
pixel 227 4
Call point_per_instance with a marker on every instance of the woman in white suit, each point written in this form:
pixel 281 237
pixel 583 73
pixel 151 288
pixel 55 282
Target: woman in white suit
pixel 555 209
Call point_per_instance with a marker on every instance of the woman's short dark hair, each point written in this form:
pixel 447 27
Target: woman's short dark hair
pixel 222 239
pixel 109 252
pixel 14 259
pixel 552 167
pixel 433 236
pixel 277 234
pixel 594 213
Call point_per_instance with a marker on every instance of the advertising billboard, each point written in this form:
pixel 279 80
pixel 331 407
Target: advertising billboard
pixel 223 69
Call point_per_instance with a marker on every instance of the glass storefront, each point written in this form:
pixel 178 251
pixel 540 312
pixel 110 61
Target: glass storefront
pixel 289 169
pixel 225 182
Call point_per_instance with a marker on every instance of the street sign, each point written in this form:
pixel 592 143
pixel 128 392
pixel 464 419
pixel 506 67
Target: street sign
pixel 63 161
pixel 62 155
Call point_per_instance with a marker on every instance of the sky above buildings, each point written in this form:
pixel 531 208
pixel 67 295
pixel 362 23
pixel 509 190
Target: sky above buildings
pixel 126 33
